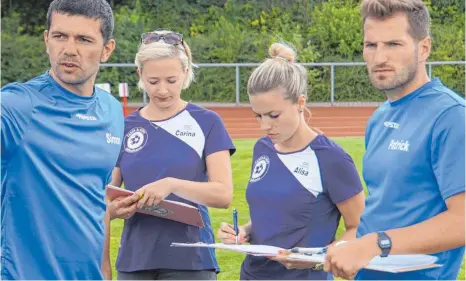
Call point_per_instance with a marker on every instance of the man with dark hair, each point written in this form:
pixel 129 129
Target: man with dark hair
pixel 60 139
pixel 91 9
pixel 414 165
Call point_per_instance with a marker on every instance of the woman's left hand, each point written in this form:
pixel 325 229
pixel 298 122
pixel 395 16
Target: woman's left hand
pixel 152 193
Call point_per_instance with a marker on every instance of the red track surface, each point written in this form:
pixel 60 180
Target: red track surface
pixel 332 121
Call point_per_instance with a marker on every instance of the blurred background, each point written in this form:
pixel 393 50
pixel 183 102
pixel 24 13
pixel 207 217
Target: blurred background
pixel 229 37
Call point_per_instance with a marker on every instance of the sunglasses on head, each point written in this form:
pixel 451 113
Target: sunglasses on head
pixel 172 38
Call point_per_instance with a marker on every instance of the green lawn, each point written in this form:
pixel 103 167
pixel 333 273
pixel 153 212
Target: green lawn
pixel 241 162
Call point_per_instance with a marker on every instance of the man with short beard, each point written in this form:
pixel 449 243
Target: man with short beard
pixel 414 165
pixel 61 137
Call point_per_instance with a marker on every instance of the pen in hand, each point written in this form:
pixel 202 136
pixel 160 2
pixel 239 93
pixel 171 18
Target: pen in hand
pixel 235 224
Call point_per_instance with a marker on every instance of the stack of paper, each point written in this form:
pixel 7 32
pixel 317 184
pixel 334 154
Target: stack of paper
pixel 392 263
pixel 254 250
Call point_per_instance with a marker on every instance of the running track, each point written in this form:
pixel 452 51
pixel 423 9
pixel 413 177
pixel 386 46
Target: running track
pixel 332 121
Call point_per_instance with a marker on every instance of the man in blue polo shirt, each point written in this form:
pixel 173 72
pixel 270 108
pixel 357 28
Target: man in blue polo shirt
pixel 414 165
pixel 61 137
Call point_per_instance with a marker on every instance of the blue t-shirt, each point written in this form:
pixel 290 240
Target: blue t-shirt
pixel 414 161
pixel 58 151
pixel 176 147
pixel 292 201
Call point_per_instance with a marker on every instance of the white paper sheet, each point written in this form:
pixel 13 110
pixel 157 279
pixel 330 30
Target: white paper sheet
pixel 392 263
pixel 255 250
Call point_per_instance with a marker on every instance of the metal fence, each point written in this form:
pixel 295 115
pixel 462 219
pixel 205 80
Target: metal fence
pixel 332 66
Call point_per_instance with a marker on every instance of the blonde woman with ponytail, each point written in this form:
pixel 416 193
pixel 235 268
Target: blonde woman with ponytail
pixel 301 182
pixel 173 150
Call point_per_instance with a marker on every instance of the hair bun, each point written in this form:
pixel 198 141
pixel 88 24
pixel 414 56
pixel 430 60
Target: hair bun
pixel 282 51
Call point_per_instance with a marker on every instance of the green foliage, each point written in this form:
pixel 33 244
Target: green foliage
pixel 23 56
pixel 226 31
pixel 130 23
pixel 336 30
pixel 448 33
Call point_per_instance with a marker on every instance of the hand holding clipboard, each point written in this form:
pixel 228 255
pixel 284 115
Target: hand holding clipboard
pixel 166 209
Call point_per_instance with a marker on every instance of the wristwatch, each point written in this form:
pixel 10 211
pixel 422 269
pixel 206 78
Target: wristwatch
pixel 385 243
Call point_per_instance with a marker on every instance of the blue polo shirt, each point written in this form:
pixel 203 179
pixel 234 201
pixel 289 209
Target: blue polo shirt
pixel 58 151
pixel 414 161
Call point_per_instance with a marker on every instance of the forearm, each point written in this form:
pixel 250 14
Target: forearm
pixel 440 233
pixel 116 182
pixel 351 210
pixel 210 194
pixel 349 234
pixel 116 177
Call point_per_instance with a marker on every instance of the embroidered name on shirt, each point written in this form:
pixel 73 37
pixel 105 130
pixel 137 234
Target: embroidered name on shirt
pixel 179 133
pixel 392 125
pixel 399 145
pixel 86 117
pixel 113 140
pixel 302 169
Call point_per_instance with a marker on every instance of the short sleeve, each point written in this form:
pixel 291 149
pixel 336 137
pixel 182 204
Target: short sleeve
pixel 340 177
pixel 218 138
pixel 15 116
pixel 447 151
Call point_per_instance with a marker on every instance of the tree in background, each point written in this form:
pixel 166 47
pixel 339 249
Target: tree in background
pixel 237 31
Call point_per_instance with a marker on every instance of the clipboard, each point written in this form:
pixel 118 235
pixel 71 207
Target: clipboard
pixel 391 263
pixel 166 209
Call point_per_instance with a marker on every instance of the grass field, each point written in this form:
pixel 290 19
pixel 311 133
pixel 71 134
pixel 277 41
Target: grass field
pixel 241 162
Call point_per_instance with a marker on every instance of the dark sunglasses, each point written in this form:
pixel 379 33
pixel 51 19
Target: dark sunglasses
pixel 172 38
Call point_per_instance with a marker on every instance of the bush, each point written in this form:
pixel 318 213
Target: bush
pixel 242 31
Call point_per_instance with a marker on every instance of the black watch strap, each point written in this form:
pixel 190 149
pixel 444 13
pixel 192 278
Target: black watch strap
pixel 385 243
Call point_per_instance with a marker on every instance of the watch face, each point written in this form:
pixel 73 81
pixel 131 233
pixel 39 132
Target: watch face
pixel 385 243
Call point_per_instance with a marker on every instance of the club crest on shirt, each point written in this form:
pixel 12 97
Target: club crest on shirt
pixel 135 139
pixel 261 166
